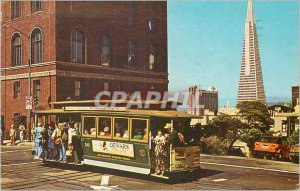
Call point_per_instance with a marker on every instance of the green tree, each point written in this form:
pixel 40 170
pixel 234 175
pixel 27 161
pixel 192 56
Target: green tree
pixel 294 138
pixel 250 136
pixel 227 128
pixel 256 114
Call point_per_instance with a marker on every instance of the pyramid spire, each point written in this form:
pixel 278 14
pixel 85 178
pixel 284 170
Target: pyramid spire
pixel 250 12
pixel 251 85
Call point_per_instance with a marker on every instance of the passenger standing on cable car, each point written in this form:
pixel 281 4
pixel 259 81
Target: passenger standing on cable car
pixel 50 155
pixel 76 144
pixel 159 150
pixel 38 140
pixel 175 136
pixel 72 132
pixel 56 137
pixel 44 142
pixel 64 142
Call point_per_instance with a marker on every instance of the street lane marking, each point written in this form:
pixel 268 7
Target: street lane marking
pixel 16 150
pixel 249 167
pixel 219 180
pixel 104 181
pixel 104 185
pixel 21 163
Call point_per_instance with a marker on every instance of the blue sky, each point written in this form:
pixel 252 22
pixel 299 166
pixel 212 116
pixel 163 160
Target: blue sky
pixel 205 45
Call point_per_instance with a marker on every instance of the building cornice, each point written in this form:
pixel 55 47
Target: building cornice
pixel 123 70
pixel 76 65
pixel 62 73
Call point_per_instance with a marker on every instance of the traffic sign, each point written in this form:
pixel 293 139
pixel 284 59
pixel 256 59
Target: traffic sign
pixel 28 102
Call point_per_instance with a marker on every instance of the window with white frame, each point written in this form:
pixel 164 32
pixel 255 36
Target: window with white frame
pixel 16 50
pixel 78 46
pixel 36 46
pixel 15 9
pixel 37 89
pixel 105 86
pixel 132 12
pixel 77 88
pixel 16 90
pixel 36 6
pixel 151 57
pixel 105 50
pixel 132 57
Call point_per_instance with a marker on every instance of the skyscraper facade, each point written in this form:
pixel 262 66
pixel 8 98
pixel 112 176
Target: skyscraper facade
pixel 200 99
pixel 251 86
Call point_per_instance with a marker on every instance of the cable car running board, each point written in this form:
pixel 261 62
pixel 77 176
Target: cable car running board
pixel 117 166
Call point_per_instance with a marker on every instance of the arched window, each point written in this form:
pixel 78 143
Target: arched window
pixel 16 50
pixel 105 50
pixel 78 46
pixel 151 57
pixel 36 46
pixel 132 57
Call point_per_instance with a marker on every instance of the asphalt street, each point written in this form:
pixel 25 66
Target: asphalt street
pixel 20 171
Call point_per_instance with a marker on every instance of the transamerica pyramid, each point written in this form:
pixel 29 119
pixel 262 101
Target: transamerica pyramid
pixel 251 86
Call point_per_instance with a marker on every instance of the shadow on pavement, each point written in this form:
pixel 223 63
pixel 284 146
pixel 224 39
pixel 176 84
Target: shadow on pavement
pixel 175 179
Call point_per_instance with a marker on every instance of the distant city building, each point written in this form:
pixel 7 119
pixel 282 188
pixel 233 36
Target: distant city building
pixel 295 96
pixel 207 99
pixel 286 119
pixel 251 86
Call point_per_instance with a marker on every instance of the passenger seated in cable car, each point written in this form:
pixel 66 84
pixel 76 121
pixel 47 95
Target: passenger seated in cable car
pixel 145 134
pixel 93 131
pixel 120 129
pixel 106 132
pixel 139 135
pixel 125 135
pixel 104 128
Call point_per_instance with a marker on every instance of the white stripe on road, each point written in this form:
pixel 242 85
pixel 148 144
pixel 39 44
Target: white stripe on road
pixel 104 181
pixel 249 167
pixel 219 180
pixel 17 150
pixel 21 163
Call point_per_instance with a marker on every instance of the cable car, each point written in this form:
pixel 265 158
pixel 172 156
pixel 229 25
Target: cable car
pixel 125 139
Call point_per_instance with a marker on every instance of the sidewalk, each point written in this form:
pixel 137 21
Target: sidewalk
pixel 25 143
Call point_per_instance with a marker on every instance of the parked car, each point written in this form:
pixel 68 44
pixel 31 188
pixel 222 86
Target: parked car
pixel 272 147
pixel 294 153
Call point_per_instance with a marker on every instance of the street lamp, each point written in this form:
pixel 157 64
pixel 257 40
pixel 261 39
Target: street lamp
pixel 29 77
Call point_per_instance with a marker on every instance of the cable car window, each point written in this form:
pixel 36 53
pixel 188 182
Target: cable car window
pixel 104 127
pixel 89 126
pixel 121 128
pixel 139 129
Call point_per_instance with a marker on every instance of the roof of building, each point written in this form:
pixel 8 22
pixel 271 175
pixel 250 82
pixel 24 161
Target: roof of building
pixel 283 107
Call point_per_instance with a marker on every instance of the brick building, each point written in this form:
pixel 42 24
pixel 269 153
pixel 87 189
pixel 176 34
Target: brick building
pixel 76 49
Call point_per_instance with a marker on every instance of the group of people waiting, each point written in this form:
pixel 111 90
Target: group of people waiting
pixel 15 132
pixel 59 142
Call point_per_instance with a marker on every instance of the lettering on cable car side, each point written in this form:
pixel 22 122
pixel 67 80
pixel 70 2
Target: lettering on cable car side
pixel 113 148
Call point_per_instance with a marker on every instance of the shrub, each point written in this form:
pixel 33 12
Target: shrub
pixel 215 145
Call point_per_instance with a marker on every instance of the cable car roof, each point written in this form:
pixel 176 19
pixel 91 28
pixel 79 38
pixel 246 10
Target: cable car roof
pixel 126 112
